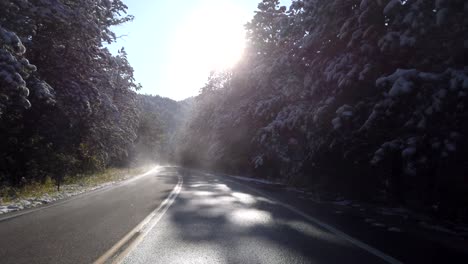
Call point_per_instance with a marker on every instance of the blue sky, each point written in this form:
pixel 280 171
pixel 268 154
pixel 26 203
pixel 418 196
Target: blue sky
pixel 173 45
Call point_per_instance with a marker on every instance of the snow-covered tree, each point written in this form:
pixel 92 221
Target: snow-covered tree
pixel 351 95
pixel 77 105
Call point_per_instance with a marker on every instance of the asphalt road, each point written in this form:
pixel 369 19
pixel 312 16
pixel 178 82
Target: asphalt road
pixel 81 229
pixel 216 220
pixel 207 219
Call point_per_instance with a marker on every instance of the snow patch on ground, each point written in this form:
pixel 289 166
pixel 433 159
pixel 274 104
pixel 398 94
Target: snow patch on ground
pixel 256 180
pixel 343 203
pixel 437 228
pixel 398 211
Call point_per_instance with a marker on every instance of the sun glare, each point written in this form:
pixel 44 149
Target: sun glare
pixel 211 38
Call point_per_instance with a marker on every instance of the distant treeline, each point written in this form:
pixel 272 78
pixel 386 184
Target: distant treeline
pixel 67 105
pixel 358 97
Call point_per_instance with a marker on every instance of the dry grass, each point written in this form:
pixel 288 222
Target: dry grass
pixel 109 175
pixel 34 189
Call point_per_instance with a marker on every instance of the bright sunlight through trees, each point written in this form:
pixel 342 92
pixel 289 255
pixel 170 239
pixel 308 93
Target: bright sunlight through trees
pixel 212 38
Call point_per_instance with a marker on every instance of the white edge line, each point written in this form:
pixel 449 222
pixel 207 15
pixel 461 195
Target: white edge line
pixel 143 228
pixel 328 227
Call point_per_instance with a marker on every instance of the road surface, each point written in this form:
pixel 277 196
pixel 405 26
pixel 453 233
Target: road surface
pixel 81 229
pixel 208 218
pixel 215 220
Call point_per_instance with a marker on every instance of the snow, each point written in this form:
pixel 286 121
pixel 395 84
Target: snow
pixel 347 113
pixel 398 211
pixel 459 79
pixel 391 6
pixel 343 203
pixel 3 209
pixel 11 39
pixel 365 71
pixel 401 87
pixel 344 108
pixel 330 100
pixel 258 160
pixel 248 179
pixel 432 77
pixel 336 122
pixel 437 228
pixel 408 152
pixel 400 76
pixel 364 4
pixel 378 156
pixel 344 113
pixel 43 91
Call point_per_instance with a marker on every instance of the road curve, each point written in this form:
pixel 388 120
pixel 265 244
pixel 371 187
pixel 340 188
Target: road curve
pixel 81 229
pixel 216 220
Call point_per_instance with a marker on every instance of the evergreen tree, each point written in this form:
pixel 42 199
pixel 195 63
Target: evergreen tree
pixel 357 96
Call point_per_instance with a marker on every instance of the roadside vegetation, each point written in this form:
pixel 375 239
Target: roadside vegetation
pixel 71 185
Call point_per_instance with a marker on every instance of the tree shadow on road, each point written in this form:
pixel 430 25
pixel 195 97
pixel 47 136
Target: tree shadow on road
pixel 249 228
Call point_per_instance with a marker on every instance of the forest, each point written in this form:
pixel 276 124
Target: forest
pixel 67 105
pixel 360 98
pixel 366 99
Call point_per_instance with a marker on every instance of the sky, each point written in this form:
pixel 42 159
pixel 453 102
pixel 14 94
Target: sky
pixel 173 45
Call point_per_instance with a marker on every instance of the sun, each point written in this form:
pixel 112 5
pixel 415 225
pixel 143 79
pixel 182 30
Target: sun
pixel 213 35
pixel 211 38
